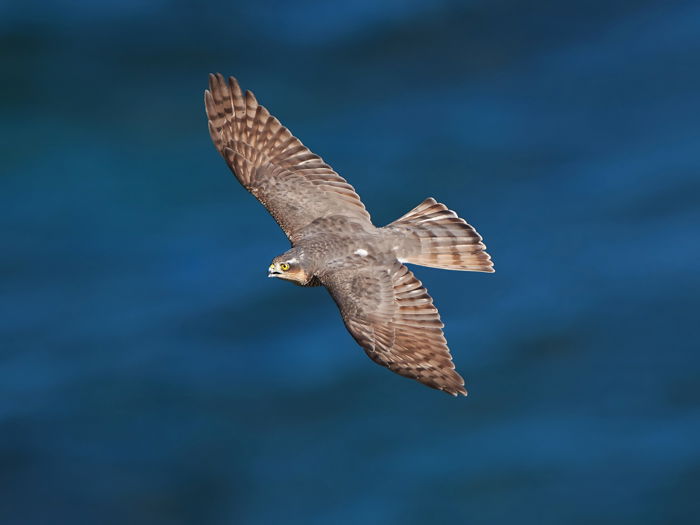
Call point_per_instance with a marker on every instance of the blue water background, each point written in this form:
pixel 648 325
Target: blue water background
pixel 151 373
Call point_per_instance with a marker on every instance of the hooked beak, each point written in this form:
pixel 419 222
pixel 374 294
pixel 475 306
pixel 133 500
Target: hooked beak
pixel 272 271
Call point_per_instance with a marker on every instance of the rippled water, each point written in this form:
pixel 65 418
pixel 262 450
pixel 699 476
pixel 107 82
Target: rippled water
pixel 151 373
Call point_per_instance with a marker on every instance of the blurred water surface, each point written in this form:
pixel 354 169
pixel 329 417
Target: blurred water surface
pixel 151 373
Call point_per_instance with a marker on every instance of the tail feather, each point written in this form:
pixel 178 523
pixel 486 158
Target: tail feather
pixel 445 240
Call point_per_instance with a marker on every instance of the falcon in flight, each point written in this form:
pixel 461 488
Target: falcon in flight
pixel 334 243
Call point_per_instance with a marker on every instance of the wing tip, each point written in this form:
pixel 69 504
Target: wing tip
pixel 215 82
pixel 233 84
pixel 455 391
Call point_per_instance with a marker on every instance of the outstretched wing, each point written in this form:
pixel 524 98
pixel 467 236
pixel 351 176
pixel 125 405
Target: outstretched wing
pixel 294 184
pixel 390 314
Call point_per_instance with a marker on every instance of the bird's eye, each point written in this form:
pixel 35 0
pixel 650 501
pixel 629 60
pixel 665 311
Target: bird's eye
pixel 284 267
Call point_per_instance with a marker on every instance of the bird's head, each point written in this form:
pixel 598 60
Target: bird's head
pixel 290 267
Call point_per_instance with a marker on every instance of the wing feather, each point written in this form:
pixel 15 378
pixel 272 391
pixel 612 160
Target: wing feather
pixel 293 183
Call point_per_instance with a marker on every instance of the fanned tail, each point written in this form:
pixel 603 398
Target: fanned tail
pixel 445 240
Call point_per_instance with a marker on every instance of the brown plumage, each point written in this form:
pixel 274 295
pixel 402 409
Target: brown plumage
pixel 334 243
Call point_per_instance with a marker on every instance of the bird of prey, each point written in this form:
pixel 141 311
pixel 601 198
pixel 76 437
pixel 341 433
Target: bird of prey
pixel 334 243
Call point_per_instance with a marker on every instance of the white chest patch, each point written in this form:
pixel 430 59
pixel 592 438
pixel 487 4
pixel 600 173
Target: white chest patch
pixel 361 252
